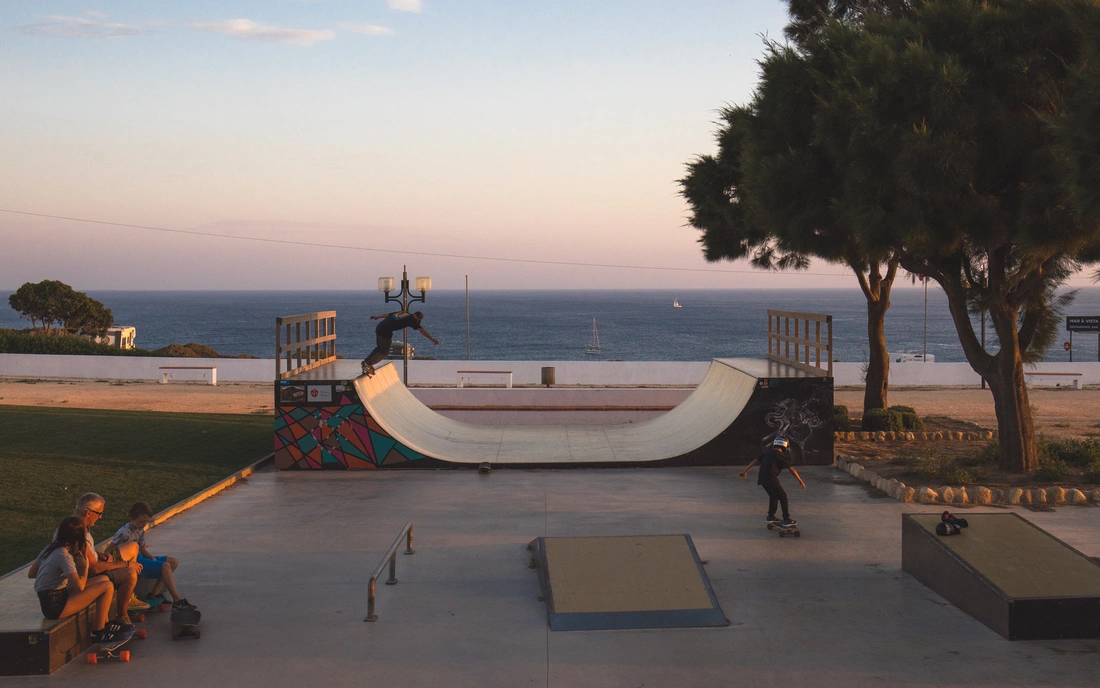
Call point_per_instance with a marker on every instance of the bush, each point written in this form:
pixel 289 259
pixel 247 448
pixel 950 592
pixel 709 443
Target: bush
pixel 1073 452
pixel 910 421
pixel 986 456
pixel 1092 473
pixel 12 342
pixel 841 421
pixel 875 420
pixel 941 469
pixel 1051 470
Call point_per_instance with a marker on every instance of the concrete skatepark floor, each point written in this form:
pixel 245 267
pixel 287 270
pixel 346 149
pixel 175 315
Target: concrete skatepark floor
pixel 279 566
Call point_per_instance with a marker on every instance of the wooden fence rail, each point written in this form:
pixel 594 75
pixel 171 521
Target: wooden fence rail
pixel 299 354
pixel 811 353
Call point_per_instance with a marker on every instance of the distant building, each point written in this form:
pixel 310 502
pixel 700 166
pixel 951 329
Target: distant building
pixel 911 357
pixel 119 336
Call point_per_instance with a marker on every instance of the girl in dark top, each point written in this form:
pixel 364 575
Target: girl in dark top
pixel 392 322
pixel 61 579
pixel 771 463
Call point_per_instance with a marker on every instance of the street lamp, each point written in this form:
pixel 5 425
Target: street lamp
pixel 423 285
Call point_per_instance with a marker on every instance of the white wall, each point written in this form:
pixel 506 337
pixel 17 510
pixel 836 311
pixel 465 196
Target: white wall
pixel 524 372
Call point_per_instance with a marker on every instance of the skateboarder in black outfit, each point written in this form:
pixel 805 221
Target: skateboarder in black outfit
pixel 392 322
pixel 771 463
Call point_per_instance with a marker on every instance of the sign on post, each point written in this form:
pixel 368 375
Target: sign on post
pixel 1083 323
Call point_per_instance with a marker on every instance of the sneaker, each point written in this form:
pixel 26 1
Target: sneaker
pixel 119 625
pixel 773 520
pixel 182 603
pixel 788 522
pixel 105 635
pixel 154 600
pixel 136 605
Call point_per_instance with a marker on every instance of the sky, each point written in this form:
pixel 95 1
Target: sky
pixel 321 144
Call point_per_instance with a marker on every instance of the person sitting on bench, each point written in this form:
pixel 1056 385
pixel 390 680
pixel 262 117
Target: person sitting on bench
pixel 61 580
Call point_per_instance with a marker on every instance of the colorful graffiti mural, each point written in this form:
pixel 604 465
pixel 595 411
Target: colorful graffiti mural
pixel 337 437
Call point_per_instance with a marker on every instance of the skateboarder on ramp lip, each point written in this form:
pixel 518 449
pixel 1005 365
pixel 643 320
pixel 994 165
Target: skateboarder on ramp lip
pixel 771 463
pixel 392 322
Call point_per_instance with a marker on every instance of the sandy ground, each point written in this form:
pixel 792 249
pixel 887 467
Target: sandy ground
pixel 1058 412
pixel 140 395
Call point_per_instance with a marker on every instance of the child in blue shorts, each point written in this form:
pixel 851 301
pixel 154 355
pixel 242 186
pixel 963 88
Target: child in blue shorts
pixel 159 568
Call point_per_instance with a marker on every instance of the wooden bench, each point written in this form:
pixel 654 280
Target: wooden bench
pixel 1069 379
pixel 30 644
pixel 165 371
pixel 462 374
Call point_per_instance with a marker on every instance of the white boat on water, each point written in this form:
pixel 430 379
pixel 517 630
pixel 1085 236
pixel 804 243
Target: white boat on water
pixel 676 303
pixel 593 347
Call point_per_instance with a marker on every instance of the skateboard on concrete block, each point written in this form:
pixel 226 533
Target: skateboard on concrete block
pixel 185 623
pixel 109 650
pixel 784 531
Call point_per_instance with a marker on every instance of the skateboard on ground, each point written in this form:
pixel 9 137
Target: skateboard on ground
pixel 110 650
pixel 784 531
pixel 185 623
pixel 156 604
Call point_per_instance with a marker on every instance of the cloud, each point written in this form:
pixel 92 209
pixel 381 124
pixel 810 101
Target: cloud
pixel 250 30
pixel 79 27
pixel 404 5
pixel 366 29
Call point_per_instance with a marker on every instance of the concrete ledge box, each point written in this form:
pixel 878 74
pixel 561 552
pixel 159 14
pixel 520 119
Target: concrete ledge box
pixel 1011 575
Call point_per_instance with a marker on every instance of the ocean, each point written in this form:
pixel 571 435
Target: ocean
pixel 555 325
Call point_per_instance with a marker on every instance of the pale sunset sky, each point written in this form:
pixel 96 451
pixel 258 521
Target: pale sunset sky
pixel 549 131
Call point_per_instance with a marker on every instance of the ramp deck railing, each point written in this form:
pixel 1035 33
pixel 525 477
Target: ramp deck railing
pixel 299 353
pixel 806 341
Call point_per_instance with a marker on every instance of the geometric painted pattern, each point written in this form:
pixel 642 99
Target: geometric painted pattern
pixel 337 437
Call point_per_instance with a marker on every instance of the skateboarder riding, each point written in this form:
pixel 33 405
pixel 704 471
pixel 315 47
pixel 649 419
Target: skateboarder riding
pixel 771 463
pixel 392 322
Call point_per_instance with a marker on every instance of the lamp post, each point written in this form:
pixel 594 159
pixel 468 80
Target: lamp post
pixel 405 297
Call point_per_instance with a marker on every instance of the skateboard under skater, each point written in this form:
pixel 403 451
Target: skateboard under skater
pixel 368 370
pixel 784 531
pixel 185 623
pixel 109 650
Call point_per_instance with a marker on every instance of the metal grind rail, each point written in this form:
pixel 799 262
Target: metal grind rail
pixel 391 557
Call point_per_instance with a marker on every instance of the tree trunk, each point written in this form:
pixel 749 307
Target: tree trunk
pixel 876 390
pixel 876 289
pixel 1004 372
pixel 1016 428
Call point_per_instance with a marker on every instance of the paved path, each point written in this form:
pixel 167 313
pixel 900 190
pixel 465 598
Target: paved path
pixel 279 566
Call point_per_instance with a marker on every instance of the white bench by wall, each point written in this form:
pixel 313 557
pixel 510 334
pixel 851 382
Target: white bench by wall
pixel 165 371
pixel 463 374
pixel 1052 379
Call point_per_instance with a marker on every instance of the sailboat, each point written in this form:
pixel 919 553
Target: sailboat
pixel 676 303
pixel 593 347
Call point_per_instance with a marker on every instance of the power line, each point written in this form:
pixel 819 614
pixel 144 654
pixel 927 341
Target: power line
pixel 500 259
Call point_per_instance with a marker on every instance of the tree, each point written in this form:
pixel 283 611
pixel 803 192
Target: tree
pixel 773 194
pixel 957 125
pixel 51 302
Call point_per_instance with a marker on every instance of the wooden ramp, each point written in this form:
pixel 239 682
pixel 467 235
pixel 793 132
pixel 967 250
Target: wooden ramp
pixel 600 583
pixel 703 429
pixel 1008 573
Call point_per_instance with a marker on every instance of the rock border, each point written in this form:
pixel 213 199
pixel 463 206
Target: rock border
pixel 892 436
pixel 957 495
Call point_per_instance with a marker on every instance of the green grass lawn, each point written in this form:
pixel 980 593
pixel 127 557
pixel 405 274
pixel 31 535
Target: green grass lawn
pixel 51 456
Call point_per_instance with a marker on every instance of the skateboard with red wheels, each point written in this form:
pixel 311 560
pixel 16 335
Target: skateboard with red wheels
pixel 785 530
pixel 109 650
